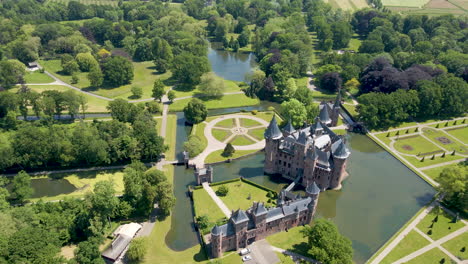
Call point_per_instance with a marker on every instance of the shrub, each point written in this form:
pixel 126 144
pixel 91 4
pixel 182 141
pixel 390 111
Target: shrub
pixel 222 190
pixel 171 95
pixel 202 221
pixel 74 78
pixel 137 91
pixel 194 146
pixel 407 131
pixel 153 107
pixel 443 155
pixel 254 112
pixel 454 123
pixel 437 126
pixel 388 134
pixel 429 232
pixel 228 150
pixel 397 133
pixel 433 157
pixel 416 130
pixel 137 249
pixel 422 160
pixel 446 124
pixel 271 108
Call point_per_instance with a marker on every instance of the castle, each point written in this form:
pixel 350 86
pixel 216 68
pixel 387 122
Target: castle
pixel 258 222
pixel 311 154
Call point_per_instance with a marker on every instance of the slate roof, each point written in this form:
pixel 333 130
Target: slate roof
pixel 334 137
pixel 340 150
pixel 117 247
pixel 323 115
pixel 239 216
pixel 311 154
pixel 289 127
pixel 323 158
pixel 316 126
pixel 224 230
pixel 313 188
pixel 260 209
pixel 288 209
pixel 273 131
pixel 302 138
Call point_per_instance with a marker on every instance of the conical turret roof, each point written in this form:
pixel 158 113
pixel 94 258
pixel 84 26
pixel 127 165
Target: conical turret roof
pixel 216 230
pixel 324 116
pixel 313 188
pixel 289 127
pixel 273 131
pixel 340 150
pixel 302 138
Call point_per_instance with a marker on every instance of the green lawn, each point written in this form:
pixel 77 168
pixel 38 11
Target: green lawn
pixel 410 243
pixel 266 115
pixel 354 43
pixel 227 123
pixel 239 194
pixel 292 240
pixel 231 86
pixel 428 161
pixel 442 227
pixel 204 205
pixel 37 77
pixel 170 138
pixel 340 131
pixel 460 133
pixel 220 134
pixel 241 141
pixel 216 156
pixel 55 68
pixel 438 138
pixel 456 245
pixel 94 104
pixel 227 101
pixel 323 95
pixel 352 110
pixel 284 259
pixel 435 172
pixel 199 131
pixel 257 133
pixel 415 145
pixel 433 256
pixel 85 181
pixel 244 122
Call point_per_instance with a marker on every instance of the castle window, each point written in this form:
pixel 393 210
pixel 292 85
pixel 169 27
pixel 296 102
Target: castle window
pixel 289 165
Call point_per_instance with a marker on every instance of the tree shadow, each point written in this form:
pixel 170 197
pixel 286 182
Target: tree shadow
pixel 300 248
pixel 200 256
pixel 172 81
pixel 133 97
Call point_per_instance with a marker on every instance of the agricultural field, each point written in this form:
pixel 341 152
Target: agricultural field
pixel 89 2
pixel 348 4
pixel 428 7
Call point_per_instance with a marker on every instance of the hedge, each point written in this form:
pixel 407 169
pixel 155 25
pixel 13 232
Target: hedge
pixel 224 182
pixel 257 185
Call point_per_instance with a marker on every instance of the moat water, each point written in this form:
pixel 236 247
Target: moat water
pixel 380 195
pixel 230 65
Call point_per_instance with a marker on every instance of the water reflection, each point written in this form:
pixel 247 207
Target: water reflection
pixel 230 65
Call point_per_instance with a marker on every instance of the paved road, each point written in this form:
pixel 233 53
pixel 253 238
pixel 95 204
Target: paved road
pixel 216 199
pixel 262 253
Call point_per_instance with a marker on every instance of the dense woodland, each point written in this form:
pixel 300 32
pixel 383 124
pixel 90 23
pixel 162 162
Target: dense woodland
pixel 407 67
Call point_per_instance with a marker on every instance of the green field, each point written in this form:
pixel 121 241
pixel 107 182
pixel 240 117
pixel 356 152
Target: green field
pixel 231 86
pixel 220 134
pixel 443 140
pixel 410 243
pixel 241 195
pixel 204 205
pixel 433 256
pixel 227 123
pixel 442 227
pixel 227 101
pixel 428 7
pixel 170 138
pixel 199 131
pixel 37 77
pixel 244 122
pixel 348 4
pixel 435 172
pixel 415 145
pixel 293 240
pixel 409 3
pixel 241 141
pixel 257 133
pixel 216 156
pixel 456 245
pixel 459 133
pixel 429 161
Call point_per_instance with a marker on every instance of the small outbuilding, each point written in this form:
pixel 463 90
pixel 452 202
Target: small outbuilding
pixel 32 66
pixel 123 236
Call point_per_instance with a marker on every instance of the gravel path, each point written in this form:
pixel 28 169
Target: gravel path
pixel 216 199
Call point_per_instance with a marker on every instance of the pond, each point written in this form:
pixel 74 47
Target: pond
pixel 47 187
pixel 230 65
pixel 380 195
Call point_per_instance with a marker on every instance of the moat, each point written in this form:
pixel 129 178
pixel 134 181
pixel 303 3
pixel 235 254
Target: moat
pixel 380 195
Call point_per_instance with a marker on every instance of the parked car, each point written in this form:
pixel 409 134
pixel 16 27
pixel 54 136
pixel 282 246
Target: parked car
pixel 244 251
pixel 246 258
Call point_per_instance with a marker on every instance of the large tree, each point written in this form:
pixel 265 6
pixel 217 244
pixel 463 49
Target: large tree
pixel 295 111
pixel 454 185
pixel 326 244
pixel 188 68
pixel 195 111
pixel 212 85
pixel 158 89
pixel 117 70
pixel 21 187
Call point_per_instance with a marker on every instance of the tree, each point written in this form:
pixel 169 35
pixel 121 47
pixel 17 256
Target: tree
pixel 326 244
pixel 222 190
pixel 342 34
pixel 149 142
pixel 117 70
pixel 137 91
pixel 454 184
pixel 295 111
pixel 21 187
pixel 303 95
pixel 371 46
pixel 203 221
pixel 95 76
pixel 87 252
pixel 162 53
pixel 244 38
pixel 120 110
pixel 195 111
pixel 194 145
pixel 83 101
pixel 212 85
pixel 228 150
pixel 137 249
pixel 70 67
pixel 158 89
pixel 4 194
pixel 153 107
pixel 331 81
pixel 86 61
pixel 188 68
pixel 171 95
pixel 103 201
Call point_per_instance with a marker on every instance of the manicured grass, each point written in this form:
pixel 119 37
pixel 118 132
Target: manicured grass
pixel 220 134
pixel 231 86
pixel 55 68
pixel 459 133
pixel 384 138
pixel 244 122
pixel 414 145
pixel 433 256
pixel 37 77
pixel 199 131
pixel 456 245
pixel 435 172
pixel 257 133
pixel 204 205
pixel 354 43
pixel 442 227
pixel 216 156
pixel 241 141
pixel 94 104
pixel 227 123
pixel 428 161
pixel 352 110
pixel 170 138
pixel 410 243
pixel 284 259
pixel 293 240
pixel 85 181
pixel 340 131
pixel 452 145
pixel 227 101
pixel 411 3
pixel 323 95
pixel 239 194
pixel 267 116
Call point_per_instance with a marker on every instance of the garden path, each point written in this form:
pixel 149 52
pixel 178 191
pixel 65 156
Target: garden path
pixel 442 164
pixel 216 199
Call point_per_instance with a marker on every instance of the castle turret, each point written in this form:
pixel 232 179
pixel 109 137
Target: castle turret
pixel 340 154
pixel 288 129
pixel 240 220
pixel 259 214
pixel 324 115
pixel 273 136
pixel 216 242
pixel 316 128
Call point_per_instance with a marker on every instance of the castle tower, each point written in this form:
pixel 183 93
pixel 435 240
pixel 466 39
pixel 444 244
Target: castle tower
pixel 313 192
pixel 272 136
pixel 204 175
pixel 216 242
pixel 340 154
pixel 309 166
pixel 316 128
pixel 259 214
pixel 324 115
pixel 239 219
pixel 335 113
pixel 288 129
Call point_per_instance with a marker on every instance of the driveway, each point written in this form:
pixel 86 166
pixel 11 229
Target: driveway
pixel 262 253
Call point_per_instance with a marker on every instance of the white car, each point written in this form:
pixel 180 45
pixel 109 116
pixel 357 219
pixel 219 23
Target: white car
pixel 246 258
pixel 244 251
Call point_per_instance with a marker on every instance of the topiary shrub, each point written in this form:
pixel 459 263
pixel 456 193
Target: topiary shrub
pixel 416 130
pixel 254 112
pixel 437 126
pixel 422 160
pixel 228 150
pixel 222 190
pixel 433 157
pixel 388 134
